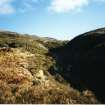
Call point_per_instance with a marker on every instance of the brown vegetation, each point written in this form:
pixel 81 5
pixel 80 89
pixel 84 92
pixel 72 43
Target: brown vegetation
pixel 25 77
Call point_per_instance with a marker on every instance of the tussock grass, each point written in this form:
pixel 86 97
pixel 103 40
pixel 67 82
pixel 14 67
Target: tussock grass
pixel 25 77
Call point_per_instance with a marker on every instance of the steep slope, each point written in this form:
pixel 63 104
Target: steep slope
pixel 83 62
pixel 25 65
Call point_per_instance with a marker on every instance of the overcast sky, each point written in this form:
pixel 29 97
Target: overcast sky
pixel 61 19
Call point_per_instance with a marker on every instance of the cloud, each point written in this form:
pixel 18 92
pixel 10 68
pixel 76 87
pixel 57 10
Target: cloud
pixel 100 0
pixel 6 7
pixel 27 5
pixel 60 6
pixel 12 6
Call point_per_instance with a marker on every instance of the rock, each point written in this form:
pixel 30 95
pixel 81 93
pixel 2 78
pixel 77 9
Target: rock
pixel 40 76
pixel 42 46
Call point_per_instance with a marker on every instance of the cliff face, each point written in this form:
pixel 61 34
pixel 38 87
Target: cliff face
pixel 45 70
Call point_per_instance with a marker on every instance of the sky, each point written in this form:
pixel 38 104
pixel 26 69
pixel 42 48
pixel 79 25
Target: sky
pixel 60 19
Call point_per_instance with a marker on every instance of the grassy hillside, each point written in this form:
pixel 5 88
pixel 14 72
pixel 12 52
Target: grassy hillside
pixel 25 73
pixel 82 62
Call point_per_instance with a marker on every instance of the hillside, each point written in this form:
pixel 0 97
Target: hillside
pixel 83 62
pixel 49 71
